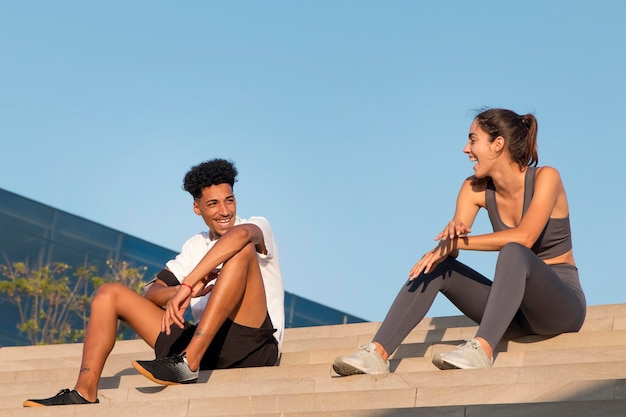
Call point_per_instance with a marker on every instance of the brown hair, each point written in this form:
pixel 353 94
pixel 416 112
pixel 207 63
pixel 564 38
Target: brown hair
pixel 519 133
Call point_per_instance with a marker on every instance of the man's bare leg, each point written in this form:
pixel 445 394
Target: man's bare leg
pixel 113 302
pixel 239 294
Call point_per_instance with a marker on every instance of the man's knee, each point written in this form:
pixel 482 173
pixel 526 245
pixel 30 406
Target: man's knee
pixel 109 292
pixel 247 254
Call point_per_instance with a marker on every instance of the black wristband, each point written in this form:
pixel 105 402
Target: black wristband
pixel 168 278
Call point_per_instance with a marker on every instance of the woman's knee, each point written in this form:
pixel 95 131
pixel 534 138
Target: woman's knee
pixel 513 251
pixel 514 247
pixel 514 262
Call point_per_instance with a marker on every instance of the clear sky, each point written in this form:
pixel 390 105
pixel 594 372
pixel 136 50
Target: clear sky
pixel 346 120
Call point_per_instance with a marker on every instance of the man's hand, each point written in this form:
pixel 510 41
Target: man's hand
pixel 178 304
pixel 201 288
pixel 175 309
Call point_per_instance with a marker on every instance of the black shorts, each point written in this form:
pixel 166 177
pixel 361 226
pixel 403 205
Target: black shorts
pixel 234 345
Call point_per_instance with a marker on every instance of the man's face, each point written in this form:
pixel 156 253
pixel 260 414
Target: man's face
pixel 217 207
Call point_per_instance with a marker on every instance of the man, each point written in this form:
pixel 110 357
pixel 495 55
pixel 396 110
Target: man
pixel 231 277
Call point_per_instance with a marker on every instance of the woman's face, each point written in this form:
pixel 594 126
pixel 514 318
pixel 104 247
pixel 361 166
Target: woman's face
pixel 480 150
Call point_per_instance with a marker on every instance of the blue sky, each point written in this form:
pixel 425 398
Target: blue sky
pixel 346 119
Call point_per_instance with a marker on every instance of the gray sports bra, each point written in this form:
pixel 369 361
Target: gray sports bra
pixel 556 237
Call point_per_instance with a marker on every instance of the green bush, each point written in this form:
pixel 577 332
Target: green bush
pixel 53 300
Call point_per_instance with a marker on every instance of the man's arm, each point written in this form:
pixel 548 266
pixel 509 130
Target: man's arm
pixel 163 288
pixel 225 248
pixel 229 244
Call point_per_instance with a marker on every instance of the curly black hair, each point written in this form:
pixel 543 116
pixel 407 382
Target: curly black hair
pixel 208 173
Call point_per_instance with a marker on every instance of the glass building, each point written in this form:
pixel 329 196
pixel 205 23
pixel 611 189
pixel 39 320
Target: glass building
pixel 41 235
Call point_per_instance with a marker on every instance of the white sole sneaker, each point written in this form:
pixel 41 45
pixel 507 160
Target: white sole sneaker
pixel 365 361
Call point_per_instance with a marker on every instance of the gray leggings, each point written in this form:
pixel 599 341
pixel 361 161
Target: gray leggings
pixel 526 297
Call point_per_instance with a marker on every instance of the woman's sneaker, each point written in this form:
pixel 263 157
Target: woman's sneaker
pixel 167 371
pixel 64 397
pixel 468 355
pixel 365 361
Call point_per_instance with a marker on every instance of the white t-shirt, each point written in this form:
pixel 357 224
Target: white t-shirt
pixel 198 245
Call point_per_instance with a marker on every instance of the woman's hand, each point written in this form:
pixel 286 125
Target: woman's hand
pixel 453 229
pixel 433 258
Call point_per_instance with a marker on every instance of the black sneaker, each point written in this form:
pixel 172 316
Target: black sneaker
pixel 64 397
pixel 167 371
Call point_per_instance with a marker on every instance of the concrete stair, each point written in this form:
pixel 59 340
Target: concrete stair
pixel 576 374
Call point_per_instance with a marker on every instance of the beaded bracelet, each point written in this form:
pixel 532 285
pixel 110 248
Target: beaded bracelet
pixel 188 286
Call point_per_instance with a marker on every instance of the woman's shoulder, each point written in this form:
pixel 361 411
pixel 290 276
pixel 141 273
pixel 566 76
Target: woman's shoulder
pixel 547 172
pixel 474 190
pixel 476 184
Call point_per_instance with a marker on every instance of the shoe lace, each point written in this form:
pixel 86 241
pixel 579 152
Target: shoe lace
pixel 468 345
pixel 368 347
pixel 63 392
pixel 175 358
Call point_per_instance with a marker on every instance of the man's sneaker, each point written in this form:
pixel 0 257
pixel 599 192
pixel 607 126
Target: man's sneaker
pixel 167 371
pixel 365 361
pixel 64 397
pixel 468 355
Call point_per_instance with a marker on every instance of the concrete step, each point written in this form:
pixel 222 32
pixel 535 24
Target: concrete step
pixel 52 380
pixel 569 375
pixel 606 311
pixel 120 361
pixel 180 408
pixel 318 379
pixel 420 349
pixel 336 337
pixel 603 317
pixel 379 398
pixel 553 349
pixel 69 350
pixel 419 367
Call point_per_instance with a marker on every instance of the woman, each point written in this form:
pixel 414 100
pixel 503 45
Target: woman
pixel 535 289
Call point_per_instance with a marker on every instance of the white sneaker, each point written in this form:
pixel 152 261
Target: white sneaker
pixel 365 361
pixel 468 355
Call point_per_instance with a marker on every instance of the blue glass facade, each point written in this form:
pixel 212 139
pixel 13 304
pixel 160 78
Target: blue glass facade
pixel 39 234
